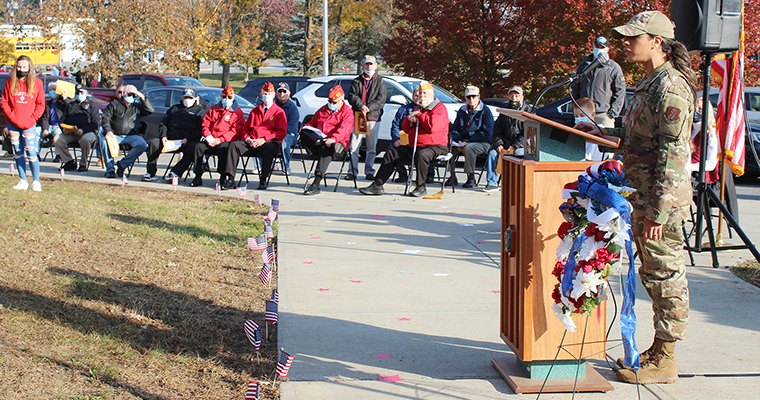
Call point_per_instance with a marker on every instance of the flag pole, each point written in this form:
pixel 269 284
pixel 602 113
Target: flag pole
pixel 719 237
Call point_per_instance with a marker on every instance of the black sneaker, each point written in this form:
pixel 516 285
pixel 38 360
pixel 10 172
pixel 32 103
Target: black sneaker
pixel 110 174
pixel 119 171
pixel 262 186
pixel 196 182
pixel 312 190
pixel 373 190
pixel 470 183
pixel 419 191
pixel 450 182
pixel 82 168
pixel 229 183
pixel 69 166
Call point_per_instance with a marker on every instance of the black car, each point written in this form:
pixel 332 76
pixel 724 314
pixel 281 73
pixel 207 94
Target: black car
pixel 252 89
pixel 562 110
pixel 163 97
pixel 750 163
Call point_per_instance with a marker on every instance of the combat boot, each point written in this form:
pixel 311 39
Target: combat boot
pixel 642 357
pixel 659 367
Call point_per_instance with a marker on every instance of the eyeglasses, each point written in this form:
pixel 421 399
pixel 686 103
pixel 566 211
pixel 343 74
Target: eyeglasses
pixel 332 102
pixel 472 96
pixel 282 91
pixel 119 91
pixel 228 97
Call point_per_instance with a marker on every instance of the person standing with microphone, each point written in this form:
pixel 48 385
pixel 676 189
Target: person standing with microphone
pixel 656 152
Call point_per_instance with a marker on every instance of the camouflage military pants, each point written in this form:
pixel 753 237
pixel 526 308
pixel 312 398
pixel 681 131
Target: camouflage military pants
pixel 663 273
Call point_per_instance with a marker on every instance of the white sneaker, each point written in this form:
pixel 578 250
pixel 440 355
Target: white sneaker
pixel 170 177
pixel 36 186
pixel 22 185
pixel 149 178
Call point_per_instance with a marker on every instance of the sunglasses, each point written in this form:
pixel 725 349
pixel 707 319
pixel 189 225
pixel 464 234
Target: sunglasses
pixel 228 97
pixel 472 96
pixel 120 92
pixel 282 91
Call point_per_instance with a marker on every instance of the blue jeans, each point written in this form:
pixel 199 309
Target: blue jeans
pixel 491 162
pixel 287 144
pixel 29 140
pixel 137 143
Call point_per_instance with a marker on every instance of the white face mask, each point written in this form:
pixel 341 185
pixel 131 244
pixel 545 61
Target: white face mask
pixel 581 119
pixel 129 99
pixel 332 107
pixel 81 97
pixel 188 102
pixel 227 102
pixel 268 99
pixel 597 52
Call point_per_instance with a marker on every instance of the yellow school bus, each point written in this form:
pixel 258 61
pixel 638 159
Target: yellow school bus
pixel 41 50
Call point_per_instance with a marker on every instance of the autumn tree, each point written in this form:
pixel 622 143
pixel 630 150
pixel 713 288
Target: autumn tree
pixel 302 42
pixel 274 20
pixel 358 28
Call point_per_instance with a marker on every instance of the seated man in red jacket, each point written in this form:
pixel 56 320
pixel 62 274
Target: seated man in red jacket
pixel 327 134
pixel 266 126
pixel 222 124
pixel 429 128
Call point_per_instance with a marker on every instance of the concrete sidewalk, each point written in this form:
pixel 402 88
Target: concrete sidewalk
pixel 400 287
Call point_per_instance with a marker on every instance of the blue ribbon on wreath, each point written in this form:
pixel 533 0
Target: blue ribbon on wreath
pixel 588 188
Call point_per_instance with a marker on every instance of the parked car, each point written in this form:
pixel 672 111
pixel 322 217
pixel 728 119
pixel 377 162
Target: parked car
pixel 399 92
pixel 145 81
pixel 562 110
pixel 166 96
pixel 252 89
pixel 751 167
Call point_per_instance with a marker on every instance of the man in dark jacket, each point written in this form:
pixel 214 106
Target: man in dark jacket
pixel 605 86
pixel 282 99
pixel 181 122
pixel 121 119
pixel 470 135
pixel 367 96
pixel 81 119
pixel 508 137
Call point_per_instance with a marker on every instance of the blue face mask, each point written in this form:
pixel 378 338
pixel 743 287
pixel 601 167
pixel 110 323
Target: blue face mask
pixel 581 119
pixel 81 97
pixel 227 103
pixel 332 107
pixel 597 52
pixel 268 99
pixel 52 94
pixel 369 73
pixel 129 99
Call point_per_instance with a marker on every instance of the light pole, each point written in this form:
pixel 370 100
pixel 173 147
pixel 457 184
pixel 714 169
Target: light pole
pixel 325 66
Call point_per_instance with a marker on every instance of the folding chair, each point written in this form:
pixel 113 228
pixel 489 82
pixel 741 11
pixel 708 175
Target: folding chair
pixel 327 175
pixel 279 157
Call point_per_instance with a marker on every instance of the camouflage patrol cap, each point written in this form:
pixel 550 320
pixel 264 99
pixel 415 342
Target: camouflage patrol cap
pixel 654 23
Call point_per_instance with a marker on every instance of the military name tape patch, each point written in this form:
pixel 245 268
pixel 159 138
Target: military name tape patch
pixel 672 114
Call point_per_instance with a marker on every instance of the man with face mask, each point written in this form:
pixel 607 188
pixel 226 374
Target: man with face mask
pixel 367 96
pixel 181 121
pixel 266 125
pixel 121 120
pixel 508 137
pixel 327 134
pixel 83 115
pixel 605 86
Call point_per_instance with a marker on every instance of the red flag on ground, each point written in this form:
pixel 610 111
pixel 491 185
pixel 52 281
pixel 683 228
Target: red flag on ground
pixel 283 364
pixel 253 391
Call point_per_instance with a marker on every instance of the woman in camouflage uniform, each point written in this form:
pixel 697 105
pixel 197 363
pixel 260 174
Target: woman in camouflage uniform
pixel 656 132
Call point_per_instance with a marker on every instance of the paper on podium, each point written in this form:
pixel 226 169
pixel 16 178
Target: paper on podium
pixel 68 87
pixel 171 145
pixel 315 130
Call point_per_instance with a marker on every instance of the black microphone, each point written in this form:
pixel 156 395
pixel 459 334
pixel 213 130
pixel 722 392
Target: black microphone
pixel 601 59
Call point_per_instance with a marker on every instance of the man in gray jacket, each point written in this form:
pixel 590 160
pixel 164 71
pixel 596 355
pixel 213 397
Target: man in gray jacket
pixel 605 86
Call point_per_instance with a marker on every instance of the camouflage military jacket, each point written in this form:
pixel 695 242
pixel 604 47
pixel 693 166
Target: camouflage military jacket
pixel 655 133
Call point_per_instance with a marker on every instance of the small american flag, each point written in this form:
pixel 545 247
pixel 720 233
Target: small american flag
pixel 276 205
pixel 268 254
pixel 63 173
pixel 256 200
pixel 123 179
pixel 10 168
pixel 260 243
pixel 268 232
pixel 271 313
pixel 275 296
pixel 283 364
pixel 253 391
pixel 242 191
pixel 272 215
pixel 218 188
pixel 250 327
pixel 265 274
pixel 175 180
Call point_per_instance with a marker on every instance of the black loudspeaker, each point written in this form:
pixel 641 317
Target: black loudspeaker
pixel 708 25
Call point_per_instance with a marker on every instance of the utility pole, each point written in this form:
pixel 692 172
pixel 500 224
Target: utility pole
pixel 325 66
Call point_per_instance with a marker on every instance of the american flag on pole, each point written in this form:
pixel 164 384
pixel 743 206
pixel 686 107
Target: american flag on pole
pixel 123 179
pixel 218 187
pixel 276 205
pixel 730 123
pixel 257 339
pixel 268 254
pixel 272 214
pixel 271 313
pixel 265 274
pixel 242 191
pixel 63 173
pixel 275 296
pixel 260 243
pixel 283 364
pixel 250 327
pixel 253 391
pixel 268 232
pixel 175 180
pixel 256 200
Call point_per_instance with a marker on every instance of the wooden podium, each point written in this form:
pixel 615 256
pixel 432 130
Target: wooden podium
pixel 531 195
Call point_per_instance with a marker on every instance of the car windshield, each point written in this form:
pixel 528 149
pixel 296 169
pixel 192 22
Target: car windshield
pixel 442 94
pixel 212 97
pixel 182 81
